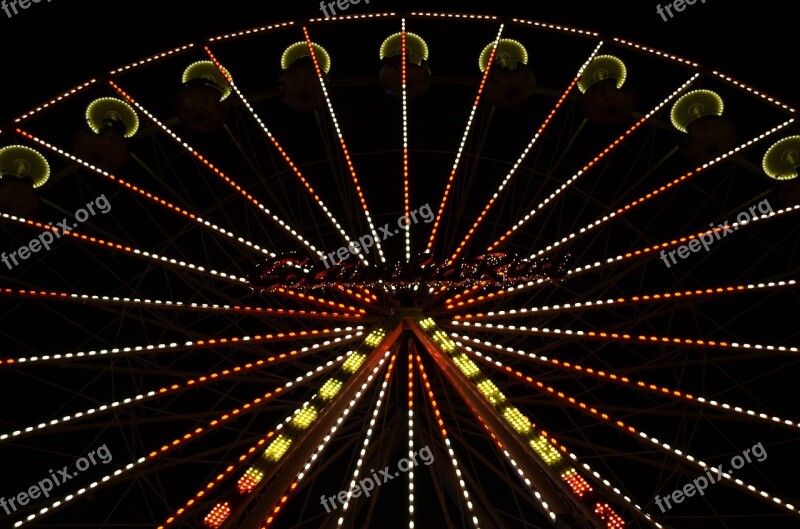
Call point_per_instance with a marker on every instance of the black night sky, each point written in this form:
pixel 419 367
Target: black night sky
pixel 54 45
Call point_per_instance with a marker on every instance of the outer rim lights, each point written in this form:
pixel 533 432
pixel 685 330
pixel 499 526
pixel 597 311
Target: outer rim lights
pixel 695 105
pixel 207 70
pixel 417 47
pixel 509 54
pixel 601 68
pixel 782 160
pixel 105 109
pixel 23 162
pixel 299 50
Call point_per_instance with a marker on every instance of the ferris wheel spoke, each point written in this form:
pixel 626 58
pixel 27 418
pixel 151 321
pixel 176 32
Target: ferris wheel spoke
pixel 151 196
pixel 361 371
pixel 467 130
pixel 295 169
pixel 661 297
pixel 212 168
pixel 520 160
pixel 535 457
pixel 351 168
pixel 494 295
pixel 714 232
pixel 446 439
pixel 406 175
pixel 660 190
pixel 190 436
pixel 595 413
pixel 661 341
pixel 367 438
pixel 606 375
pixel 314 300
pixel 141 254
pixel 207 308
pixel 235 341
pixel 176 388
pixel 600 156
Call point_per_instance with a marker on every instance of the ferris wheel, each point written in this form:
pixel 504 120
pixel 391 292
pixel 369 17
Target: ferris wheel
pixel 402 270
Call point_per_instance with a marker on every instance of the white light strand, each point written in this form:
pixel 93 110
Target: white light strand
pixel 288 229
pixel 139 462
pixel 150 395
pixel 599 222
pixel 133 251
pixel 295 169
pixel 364 447
pixel 175 346
pixel 600 155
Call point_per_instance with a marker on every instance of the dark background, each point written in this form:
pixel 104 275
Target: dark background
pixel 53 46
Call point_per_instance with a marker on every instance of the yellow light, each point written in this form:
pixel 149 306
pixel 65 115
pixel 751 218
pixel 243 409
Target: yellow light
pixel 444 341
pixel 209 71
pixel 517 420
pixel 695 105
pixel 782 160
pixel 277 448
pixel 427 323
pixel 354 362
pixel 545 449
pixel 417 48
pixel 24 162
pixel 375 337
pixel 508 55
pixel 304 419
pixel 330 389
pixel 299 50
pixel 106 110
pixel 466 366
pixel 490 391
pixel 601 68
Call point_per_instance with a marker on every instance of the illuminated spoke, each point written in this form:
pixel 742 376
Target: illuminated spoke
pixel 160 201
pixel 640 435
pixel 250 198
pixel 715 233
pixel 446 439
pixel 406 183
pixel 524 155
pixel 623 337
pixel 467 130
pixel 623 301
pixel 141 254
pixel 410 427
pixel 601 155
pixel 609 376
pixel 655 192
pixel 174 346
pixel 193 434
pixel 345 151
pixel 184 385
pixel 367 439
pixel 296 170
